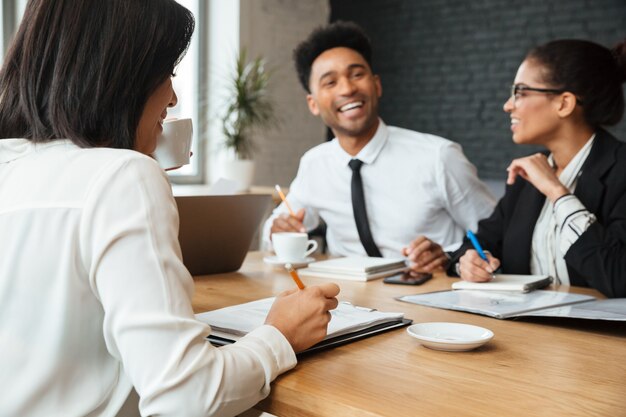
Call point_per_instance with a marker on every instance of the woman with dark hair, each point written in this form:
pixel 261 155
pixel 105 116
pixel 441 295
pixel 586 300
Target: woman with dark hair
pixel 94 297
pixel 564 211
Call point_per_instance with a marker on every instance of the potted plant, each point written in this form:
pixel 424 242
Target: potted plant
pixel 249 110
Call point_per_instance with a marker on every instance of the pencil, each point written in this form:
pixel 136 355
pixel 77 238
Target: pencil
pixel 294 276
pixel 282 197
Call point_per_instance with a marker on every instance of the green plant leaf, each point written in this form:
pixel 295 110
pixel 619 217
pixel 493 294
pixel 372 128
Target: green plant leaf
pixel 249 106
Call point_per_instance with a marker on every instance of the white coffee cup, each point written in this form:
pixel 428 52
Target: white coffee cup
pixel 174 143
pixel 292 247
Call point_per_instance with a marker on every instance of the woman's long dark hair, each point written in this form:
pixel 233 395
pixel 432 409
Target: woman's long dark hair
pixel 83 70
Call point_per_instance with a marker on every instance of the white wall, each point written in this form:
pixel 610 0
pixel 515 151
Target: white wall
pixel 273 28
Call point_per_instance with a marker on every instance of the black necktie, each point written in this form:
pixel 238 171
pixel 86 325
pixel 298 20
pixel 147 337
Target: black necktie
pixel 360 214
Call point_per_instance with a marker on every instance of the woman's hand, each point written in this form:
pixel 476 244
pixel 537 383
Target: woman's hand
pixel 536 170
pixel 302 316
pixel 473 268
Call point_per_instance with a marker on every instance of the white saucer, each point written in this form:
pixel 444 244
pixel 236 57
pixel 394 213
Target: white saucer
pixel 450 336
pixel 273 260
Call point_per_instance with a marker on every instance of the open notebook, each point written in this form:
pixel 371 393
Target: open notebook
pixel 348 322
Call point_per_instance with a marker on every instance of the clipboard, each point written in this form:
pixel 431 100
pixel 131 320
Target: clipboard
pixel 333 341
pixel 348 323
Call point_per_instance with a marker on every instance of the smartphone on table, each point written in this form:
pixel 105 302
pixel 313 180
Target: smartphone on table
pixel 408 278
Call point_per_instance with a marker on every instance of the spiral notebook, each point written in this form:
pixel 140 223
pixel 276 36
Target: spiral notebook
pixel 348 323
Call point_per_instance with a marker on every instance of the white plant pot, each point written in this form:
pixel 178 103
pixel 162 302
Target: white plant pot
pixel 239 170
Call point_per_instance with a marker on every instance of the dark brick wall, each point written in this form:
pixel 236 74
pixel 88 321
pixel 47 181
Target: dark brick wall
pixel 446 65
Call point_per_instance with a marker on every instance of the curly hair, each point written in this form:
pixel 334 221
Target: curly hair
pixel 334 35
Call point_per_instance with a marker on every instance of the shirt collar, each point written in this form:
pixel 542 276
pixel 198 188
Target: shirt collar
pixel 12 149
pixel 370 152
pixel 571 172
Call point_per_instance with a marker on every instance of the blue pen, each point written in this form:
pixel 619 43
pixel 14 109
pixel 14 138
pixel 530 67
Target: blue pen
pixel 476 245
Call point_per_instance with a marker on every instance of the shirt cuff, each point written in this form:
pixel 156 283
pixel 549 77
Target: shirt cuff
pixel 276 346
pixel 572 219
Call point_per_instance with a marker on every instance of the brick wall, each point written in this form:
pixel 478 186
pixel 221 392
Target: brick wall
pixel 446 65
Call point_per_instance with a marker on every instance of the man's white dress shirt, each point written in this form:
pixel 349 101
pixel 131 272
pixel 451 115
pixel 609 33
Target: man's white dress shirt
pixel 94 298
pixel 414 184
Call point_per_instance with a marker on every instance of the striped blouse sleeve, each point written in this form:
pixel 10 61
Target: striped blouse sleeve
pixel 572 220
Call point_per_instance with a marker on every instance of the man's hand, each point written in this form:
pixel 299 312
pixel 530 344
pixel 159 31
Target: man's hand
pixel 288 223
pixel 302 316
pixel 425 255
pixel 473 268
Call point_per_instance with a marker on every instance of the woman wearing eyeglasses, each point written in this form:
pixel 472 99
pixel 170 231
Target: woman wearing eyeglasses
pixel 564 210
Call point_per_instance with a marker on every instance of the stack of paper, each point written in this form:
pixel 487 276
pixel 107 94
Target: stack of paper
pixel 507 282
pixel 348 322
pixel 355 268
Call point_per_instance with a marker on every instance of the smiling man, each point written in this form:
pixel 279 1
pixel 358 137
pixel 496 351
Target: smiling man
pixel 382 190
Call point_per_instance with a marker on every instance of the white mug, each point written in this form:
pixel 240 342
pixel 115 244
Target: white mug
pixel 174 143
pixel 292 247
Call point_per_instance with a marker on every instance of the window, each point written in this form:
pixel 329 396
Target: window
pixel 191 91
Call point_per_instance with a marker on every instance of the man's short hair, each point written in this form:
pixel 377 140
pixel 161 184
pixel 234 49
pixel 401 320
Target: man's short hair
pixel 334 35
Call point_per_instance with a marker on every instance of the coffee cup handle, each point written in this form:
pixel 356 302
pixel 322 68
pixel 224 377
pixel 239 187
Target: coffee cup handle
pixel 311 248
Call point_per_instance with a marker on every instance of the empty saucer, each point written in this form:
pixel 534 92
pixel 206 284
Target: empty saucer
pixel 273 260
pixel 450 336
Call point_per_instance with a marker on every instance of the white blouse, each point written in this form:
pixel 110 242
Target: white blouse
pixel 95 300
pixel 560 224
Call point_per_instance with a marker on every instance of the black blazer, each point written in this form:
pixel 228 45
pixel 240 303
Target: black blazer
pixel 598 258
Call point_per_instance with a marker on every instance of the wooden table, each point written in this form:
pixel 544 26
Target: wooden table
pixel 532 367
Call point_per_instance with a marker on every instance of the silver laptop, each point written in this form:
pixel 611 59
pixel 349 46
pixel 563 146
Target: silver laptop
pixel 216 231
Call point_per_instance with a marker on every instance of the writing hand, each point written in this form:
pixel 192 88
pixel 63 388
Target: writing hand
pixel 473 268
pixel 302 316
pixel 288 223
pixel 536 170
pixel 424 255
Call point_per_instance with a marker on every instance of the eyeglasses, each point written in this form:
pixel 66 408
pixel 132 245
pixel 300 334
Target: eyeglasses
pixel 516 89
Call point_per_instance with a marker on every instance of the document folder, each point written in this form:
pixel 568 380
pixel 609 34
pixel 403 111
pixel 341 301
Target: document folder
pixel 333 341
pixel 348 323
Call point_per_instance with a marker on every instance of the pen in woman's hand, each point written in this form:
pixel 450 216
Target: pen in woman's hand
pixel 472 237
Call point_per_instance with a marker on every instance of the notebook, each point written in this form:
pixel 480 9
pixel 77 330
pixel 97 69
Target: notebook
pixel 507 304
pixel 348 323
pixel 507 282
pixel 216 231
pixel 355 268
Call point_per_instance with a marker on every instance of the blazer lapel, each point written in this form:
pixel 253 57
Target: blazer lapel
pixel 590 188
pixel 520 232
